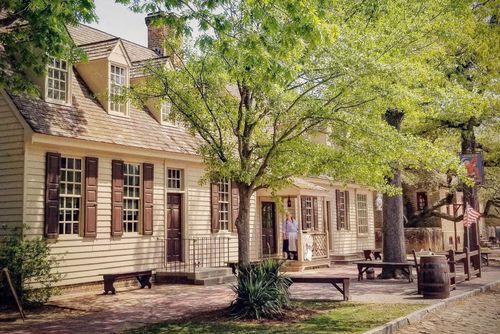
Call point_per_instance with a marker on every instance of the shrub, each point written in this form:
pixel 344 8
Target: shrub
pixel 30 265
pixel 261 291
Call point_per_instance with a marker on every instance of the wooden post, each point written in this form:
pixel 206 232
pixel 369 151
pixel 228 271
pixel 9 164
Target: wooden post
pixel 5 272
pixel 451 262
pixel 467 263
pixel 300 253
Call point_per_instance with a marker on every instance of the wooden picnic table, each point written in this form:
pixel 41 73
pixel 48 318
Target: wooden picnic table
pixel 406 267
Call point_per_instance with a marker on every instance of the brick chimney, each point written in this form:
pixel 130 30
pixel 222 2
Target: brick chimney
pixel 157 33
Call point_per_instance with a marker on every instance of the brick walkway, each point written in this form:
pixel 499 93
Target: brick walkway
pixel 94 312
pixel 479 314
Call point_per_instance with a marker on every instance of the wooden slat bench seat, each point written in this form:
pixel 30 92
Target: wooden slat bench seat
pixel 143 277
pixel 331 280
pixel 406 267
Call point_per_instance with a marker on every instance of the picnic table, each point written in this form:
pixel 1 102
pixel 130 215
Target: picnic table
pixel 406 267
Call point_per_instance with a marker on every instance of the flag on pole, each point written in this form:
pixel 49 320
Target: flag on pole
pixel 470 216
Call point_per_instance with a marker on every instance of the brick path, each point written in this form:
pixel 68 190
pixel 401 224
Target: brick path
pixel 479 314
pixel 94 312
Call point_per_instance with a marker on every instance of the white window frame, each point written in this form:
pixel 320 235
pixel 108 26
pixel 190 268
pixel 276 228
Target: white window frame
pixel 343 226
pixel 117 108
pixel 175 175
pixel 165 112
pixel 52 67
pixel 362 214
pixel 129 198
pixel 74 195
pixel 224 204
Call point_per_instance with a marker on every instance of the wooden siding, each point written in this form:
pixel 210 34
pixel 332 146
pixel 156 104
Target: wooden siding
pixel 346 242
pixel 11 168
pixel 83 259
pixel 198 216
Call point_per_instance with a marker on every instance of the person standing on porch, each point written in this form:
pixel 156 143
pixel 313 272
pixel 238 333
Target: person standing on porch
pixel 290 229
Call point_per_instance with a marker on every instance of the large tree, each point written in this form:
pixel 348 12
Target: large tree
pixel 467 117
pixel 264 77
pixel 31 31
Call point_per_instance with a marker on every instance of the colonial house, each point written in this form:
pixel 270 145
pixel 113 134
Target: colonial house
pixel 117 188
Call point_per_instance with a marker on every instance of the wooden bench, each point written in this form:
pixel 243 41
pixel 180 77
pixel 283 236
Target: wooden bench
pixel 406 267
pixel 143 277
pixel 331 280
pixel 377 254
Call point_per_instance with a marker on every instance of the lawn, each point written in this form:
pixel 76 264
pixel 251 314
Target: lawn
pixel 307 317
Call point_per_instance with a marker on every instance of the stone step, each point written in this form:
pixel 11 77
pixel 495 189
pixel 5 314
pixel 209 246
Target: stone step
pixel 215 280
pixel 210 272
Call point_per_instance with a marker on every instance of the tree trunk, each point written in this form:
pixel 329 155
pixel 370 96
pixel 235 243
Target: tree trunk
pixel 393 228
pixel 471 234
pixel 243 224
pixel 394 249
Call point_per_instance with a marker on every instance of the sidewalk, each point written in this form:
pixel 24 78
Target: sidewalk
pixel 93 312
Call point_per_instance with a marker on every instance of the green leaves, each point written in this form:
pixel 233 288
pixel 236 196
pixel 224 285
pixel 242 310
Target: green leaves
pixel 33 31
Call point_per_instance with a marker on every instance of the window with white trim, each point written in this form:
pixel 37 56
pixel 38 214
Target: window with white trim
pixel 117 82
pixel 165 111
pixel 362 213
pixel 131 196
pixel 174 178
pixel 57 80
pixel 70 195
pixel 224 194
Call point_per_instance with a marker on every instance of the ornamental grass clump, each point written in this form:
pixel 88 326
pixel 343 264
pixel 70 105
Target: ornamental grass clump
pixel 261 291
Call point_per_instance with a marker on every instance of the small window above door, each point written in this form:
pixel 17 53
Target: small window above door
pixel 175 178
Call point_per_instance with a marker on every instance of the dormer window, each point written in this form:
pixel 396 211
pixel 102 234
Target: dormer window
pixel 165 112
pixel 57 81
pixel 117 82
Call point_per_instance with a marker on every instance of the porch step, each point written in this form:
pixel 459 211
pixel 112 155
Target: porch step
pixel 202 276
pixel 295 266
pixel 346 258
pixel 215 280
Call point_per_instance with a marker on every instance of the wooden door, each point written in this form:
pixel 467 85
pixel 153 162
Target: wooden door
pixel 174 227
pixel 268 228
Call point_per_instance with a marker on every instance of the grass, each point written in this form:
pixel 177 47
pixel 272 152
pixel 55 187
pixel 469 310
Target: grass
pixel 306 317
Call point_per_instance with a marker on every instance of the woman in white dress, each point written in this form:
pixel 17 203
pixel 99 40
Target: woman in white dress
pixel 290 229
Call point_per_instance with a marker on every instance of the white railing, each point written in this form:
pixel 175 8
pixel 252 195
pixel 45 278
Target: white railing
pixel 317 243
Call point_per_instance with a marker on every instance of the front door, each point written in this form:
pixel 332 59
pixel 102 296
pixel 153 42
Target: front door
pixel 174 227
pixel 268 228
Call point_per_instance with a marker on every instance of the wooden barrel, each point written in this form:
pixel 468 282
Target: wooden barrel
pixel 435 275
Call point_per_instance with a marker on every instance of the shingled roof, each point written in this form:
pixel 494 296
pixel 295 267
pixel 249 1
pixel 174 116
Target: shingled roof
pixel 85 35
pixel 86 119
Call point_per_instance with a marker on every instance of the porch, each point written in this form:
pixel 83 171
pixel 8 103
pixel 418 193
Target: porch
pixel 308 205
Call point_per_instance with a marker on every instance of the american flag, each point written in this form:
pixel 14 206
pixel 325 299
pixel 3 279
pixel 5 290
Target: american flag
pixel 470 216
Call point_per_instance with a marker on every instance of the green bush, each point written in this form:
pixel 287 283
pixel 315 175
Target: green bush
pixel 31 269
pixel 261 291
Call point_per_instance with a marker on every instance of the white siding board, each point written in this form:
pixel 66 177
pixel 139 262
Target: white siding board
pixel 11 168
pixel 83 259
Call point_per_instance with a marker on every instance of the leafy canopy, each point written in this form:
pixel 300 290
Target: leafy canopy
pixel 265 80
pixel 31 31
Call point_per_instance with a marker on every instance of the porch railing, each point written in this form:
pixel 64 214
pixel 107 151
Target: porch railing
pixel 320 245
pixel 318 242
pixel 199 252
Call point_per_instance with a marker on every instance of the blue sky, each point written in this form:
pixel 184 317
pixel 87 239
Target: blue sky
pixel 118 20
